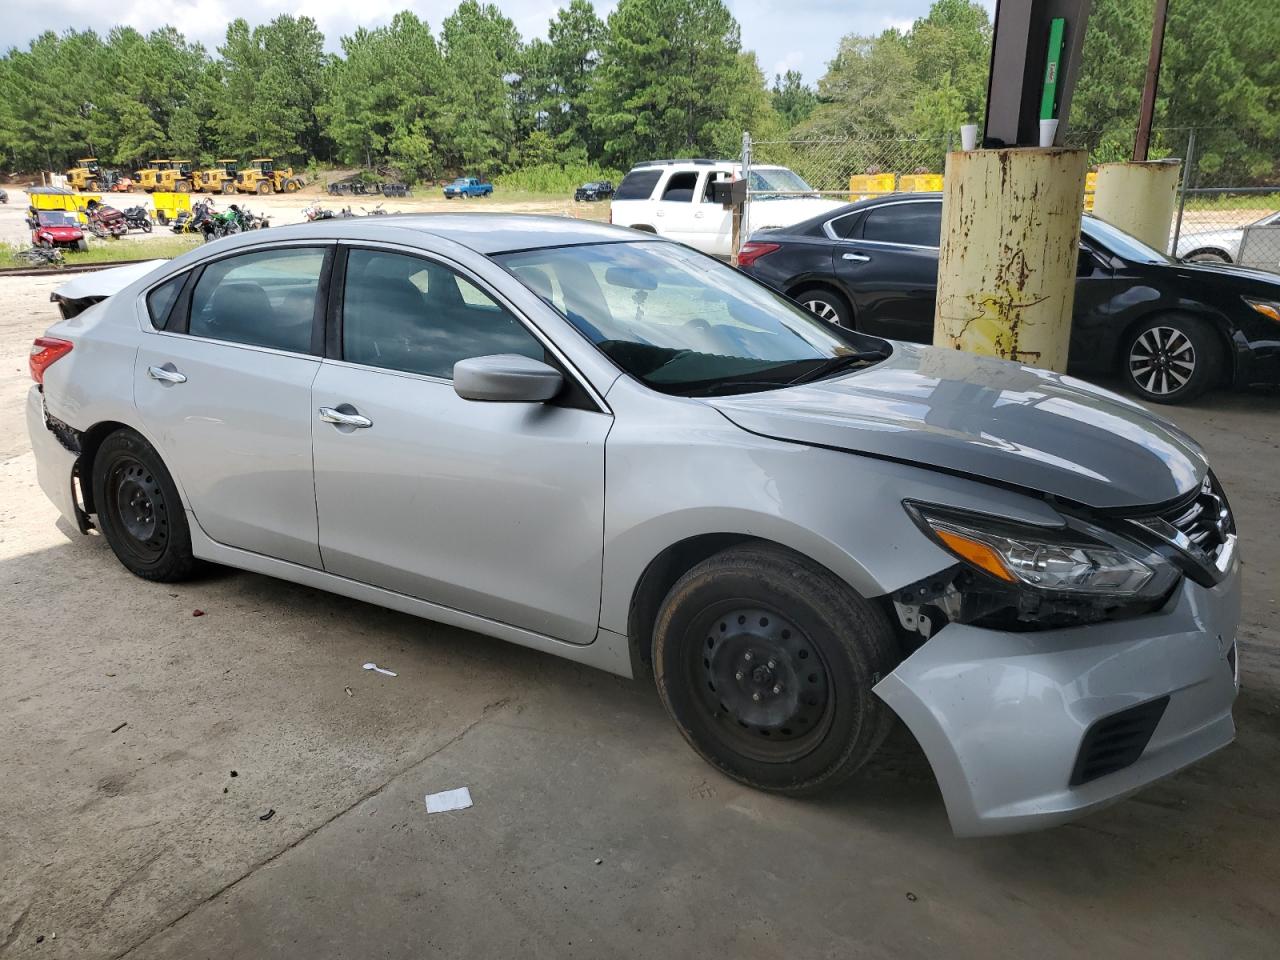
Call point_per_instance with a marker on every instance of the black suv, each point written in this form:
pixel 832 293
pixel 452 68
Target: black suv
pixel 595 190
pixel 1170 329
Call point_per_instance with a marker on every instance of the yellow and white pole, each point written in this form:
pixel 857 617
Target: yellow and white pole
pixel 1139 198
pixel 1009 251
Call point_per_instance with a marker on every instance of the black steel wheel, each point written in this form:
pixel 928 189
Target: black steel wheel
pixel 764 682
pixel 138 509
pixel 766 661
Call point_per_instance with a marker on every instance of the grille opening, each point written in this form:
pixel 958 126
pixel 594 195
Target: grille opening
pixel 1206 520
pixel 1117 741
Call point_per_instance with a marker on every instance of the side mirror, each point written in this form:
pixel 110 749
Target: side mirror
pixel 506 378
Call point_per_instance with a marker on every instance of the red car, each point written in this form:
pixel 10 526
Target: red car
pixel 56 228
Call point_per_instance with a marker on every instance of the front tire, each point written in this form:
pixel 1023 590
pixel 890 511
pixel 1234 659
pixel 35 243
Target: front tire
pixel 82 245
pixel 1171 359
pixel 139 511
pixel 826 305
pixel 766 661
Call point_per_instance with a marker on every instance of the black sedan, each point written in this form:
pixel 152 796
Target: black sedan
pixel 1170 329
pixel 595 190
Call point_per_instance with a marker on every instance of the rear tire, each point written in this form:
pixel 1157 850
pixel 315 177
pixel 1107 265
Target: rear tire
pixel 766 661
pixel 228 187
pixel 1171 358
pixel 264 188
pixel 826 305
pixel 139 511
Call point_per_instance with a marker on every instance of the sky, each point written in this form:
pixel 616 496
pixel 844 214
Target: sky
pixel 785 34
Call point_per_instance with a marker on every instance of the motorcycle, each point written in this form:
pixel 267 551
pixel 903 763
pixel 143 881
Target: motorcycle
pixel 137 218
pixel 317 212
pixel 104 221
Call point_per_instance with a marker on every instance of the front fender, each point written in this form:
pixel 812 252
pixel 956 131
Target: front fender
pixel 679 470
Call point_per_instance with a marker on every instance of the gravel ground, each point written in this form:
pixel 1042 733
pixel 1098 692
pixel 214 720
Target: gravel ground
pixel 143 747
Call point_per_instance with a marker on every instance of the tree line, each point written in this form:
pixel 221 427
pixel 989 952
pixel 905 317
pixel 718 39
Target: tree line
pixel 656 78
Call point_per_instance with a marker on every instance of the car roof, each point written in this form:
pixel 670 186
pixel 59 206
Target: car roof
pixel 485 233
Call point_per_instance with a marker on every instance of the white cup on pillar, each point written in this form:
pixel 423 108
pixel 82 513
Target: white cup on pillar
pixel 969 137
pixel 1048 130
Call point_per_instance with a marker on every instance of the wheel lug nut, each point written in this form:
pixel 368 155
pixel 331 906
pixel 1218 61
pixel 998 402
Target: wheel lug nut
pixel 755 696
pixel 772 663
pixel 738 675
pixel 747 656
pixel 777 688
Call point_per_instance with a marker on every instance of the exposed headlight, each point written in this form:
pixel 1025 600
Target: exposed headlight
pixel 1268 308
pixel 1072 560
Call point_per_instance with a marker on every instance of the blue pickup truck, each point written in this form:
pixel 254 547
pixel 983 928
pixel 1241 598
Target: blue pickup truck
pixel 468 187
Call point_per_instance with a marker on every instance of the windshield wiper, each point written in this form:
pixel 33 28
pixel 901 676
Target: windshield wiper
pixel 834 364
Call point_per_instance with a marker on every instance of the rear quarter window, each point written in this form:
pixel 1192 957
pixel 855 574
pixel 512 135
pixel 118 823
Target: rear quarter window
pixel 637 185
pixel 160 300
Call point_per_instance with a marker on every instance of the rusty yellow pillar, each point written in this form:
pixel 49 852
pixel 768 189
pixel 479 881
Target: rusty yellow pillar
pixel 1139 198
pixel 1010 242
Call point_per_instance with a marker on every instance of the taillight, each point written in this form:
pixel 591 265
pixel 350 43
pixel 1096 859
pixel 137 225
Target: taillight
pixel 43 353
pixel 753 250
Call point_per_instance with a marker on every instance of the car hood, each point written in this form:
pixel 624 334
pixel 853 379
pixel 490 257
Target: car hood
pixel 61 233
pixel 988 419
pixel 1215 272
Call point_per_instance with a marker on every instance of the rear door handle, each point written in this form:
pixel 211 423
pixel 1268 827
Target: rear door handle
pixel 166 374
pixel 344 419
pixel 856 257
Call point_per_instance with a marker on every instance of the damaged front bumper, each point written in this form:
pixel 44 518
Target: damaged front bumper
pixel 1025 730
pixel 56 450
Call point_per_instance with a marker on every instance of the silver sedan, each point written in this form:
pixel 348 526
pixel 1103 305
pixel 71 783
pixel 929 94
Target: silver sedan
pixel 617 450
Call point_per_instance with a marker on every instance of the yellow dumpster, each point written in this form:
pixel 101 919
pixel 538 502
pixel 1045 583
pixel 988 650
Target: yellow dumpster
pixel 920 183
pixel 169 205
pixel 864 186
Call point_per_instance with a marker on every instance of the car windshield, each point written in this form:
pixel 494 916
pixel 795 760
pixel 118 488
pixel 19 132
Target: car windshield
pixel 460 182
pixel 1121 243
pixel 56 218
pixel 684 323
pixel 777 178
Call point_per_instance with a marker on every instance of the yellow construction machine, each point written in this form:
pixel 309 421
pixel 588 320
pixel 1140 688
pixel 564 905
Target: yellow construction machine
pixel 261 176
pixel 219 179
pixel 87 176
pixel 173 176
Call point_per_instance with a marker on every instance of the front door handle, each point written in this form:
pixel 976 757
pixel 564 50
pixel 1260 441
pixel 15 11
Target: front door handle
pixel 344 419
pixel 856 257
pixel 166 374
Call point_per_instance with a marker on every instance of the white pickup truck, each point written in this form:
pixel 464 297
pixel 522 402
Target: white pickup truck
pixel 672 198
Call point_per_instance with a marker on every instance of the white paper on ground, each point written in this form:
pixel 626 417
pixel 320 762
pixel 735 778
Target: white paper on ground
pixel 458 799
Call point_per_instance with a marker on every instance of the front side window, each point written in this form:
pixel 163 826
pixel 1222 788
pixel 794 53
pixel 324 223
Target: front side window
pixel 684 323
pixel 916 224
pixel 405 313
pixel 264 299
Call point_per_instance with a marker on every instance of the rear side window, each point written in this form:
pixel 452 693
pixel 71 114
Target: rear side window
pixel 160 300
pixel 680 187
pixel 637 185
pixel 918 224
pixel 264 299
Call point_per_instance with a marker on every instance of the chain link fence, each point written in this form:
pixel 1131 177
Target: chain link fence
pixel 1226 211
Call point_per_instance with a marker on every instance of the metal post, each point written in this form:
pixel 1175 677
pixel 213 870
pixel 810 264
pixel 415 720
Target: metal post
pixel 1188 169
pixel 741 220
pixel 1142 143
